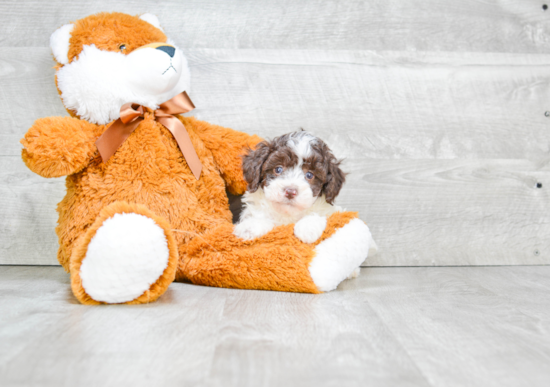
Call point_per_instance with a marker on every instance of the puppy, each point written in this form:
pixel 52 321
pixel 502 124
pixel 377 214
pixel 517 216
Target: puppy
pixel 292 179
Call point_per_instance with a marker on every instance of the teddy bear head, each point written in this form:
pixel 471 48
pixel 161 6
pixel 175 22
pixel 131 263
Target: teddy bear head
pixel 109 59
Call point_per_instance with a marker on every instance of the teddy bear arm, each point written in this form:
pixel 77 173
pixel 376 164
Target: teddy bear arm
pixel 227 147
pixel 58 146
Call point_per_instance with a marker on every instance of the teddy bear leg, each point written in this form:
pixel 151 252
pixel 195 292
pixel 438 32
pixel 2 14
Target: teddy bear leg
pixel 128 255
pixel 339 254
pixel 277 260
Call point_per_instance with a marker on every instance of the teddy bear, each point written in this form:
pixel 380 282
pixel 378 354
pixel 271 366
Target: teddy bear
pixel 146 201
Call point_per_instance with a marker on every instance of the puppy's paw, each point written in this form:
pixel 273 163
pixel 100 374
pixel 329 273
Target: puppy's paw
pixel 355 273
pixel 252 228
pixel 310 228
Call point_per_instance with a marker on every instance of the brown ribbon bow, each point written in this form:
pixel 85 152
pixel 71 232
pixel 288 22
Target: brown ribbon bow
pixel 131 114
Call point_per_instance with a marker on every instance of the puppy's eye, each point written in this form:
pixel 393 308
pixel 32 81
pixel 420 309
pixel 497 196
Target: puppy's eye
pixel 278 170
pixel 122 47
pixel 309 175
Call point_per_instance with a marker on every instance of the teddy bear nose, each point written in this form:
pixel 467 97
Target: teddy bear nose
pixel 167 49
pixel 291 192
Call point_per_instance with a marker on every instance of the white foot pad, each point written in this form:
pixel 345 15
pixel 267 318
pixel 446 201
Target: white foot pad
pixel 338 256
pixel 128 253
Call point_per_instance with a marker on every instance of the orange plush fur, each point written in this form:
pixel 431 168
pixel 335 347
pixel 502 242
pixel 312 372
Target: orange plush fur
pixel 149 176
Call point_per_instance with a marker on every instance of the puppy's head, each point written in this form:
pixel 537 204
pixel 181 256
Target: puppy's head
pixel 293 170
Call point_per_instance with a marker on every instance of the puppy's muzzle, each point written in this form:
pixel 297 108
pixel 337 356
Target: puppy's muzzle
pixel 290 193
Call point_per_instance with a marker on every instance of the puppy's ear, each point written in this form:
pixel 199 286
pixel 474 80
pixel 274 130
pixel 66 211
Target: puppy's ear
pixel 335 178
pixel 252 165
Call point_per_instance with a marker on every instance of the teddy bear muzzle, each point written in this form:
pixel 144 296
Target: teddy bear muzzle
pixel 156 67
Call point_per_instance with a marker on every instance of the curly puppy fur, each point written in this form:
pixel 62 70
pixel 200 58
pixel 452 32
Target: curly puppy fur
pixel 295 150
pixel 290 179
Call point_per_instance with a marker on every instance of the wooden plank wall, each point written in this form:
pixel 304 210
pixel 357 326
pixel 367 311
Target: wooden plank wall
pixel 438 107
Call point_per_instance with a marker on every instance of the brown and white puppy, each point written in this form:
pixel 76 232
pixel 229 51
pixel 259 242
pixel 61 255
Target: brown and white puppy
pixel 292 179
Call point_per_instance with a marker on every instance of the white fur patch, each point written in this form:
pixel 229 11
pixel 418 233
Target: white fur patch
pixel 98 83
pixel 253 228
pixel 59 43
pixel 294 177
pixel 257 208
pixel 310 228
pixel 128 254
pixel 151 19
pixel 301 142
pixel 290 178
pixel 338 256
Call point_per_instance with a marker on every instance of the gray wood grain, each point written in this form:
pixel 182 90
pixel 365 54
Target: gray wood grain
pixel 438 107
pixel 475 326
pixel 382 105
pixel 414 25
pixel 421 212
pixel 467 326
pixel 444 150
pixel 452 212
pixel 378 105
pixel 28 215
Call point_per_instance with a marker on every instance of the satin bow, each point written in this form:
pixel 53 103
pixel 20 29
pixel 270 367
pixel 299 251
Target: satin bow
pixel 131 114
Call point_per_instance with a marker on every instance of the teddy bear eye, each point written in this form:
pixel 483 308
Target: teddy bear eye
pixel 309 175
pixel 122 47
pixel 279 170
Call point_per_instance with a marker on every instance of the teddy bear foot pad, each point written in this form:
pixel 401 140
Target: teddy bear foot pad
pixel 127 256
pixel 338 257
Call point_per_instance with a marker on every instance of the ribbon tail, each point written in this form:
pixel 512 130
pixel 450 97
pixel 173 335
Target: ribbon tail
pixel 184 142
pixel 179 104
pixel 113 137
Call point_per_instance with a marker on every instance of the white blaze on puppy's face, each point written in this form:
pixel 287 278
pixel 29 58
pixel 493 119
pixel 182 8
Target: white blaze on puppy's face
pixel 280 191
pixel 291 190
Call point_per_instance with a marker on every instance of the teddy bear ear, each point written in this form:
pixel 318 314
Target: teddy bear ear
pixel 59 43
pixel 151 19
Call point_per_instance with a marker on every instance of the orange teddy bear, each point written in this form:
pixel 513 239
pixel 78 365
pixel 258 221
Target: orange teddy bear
pixel 146 200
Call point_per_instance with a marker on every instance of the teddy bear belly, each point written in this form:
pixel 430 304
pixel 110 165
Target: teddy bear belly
pixel 190 206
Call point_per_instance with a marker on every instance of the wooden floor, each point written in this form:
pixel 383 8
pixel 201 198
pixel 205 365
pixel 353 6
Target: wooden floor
pixel 422 326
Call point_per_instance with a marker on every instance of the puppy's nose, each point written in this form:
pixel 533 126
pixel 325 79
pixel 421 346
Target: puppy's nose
pixel 290 193
pixel 167 49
